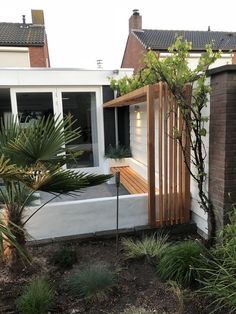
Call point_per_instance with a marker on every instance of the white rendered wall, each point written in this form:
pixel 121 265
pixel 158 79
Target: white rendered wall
pixel 198 214
pixel 226 58
pixel 14 57
pixel 58 77
pixel 87 216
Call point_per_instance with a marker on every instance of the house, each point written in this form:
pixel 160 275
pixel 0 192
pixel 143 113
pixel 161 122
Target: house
pixel 24 44
pixel 141 40
pixel 35 92
pixel 30 89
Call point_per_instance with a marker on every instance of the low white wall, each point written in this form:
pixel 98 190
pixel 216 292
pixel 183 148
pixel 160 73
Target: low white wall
pixel 87 216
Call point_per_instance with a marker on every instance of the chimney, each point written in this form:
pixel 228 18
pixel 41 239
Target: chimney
pixel 135 21
pixel 23 20
pixel 37 17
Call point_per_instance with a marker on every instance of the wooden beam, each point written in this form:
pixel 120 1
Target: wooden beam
pixel 151 155
pixel 137 96
pixel 132 98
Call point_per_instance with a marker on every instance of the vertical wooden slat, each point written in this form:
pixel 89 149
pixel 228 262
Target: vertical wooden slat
pixel 170 120
pixel 151 155
pixel 165 157
pixel 180 173
pixel 175 166
pixel 160 132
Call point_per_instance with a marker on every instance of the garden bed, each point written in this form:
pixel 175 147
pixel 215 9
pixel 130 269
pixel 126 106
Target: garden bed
pixel 137 284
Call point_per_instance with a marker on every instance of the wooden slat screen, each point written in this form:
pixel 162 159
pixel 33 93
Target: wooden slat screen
pixel 174 178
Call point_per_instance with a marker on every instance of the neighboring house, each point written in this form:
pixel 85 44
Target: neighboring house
pixel 24 44
pixel 141 40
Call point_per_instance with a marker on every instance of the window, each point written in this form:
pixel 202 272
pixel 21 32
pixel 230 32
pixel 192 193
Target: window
pixel 32 106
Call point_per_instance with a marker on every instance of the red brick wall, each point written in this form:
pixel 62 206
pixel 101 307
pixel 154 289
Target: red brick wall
pixel 133 54
pixel 222 142
pixel 39 56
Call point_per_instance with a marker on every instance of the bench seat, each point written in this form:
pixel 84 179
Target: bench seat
pixel 131 180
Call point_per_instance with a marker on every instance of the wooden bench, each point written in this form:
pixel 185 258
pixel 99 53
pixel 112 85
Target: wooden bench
pixel 131 180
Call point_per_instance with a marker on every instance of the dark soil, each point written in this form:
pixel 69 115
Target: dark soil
pixel 137 283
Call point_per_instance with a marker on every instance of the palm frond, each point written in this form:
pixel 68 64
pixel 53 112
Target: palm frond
pixel 9 130
pixel 57 180
pixel 43 140
pixel 7 169
pixel 15 192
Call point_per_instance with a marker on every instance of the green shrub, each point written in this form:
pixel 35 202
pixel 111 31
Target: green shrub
pixel 219 272
pixel 93 282
pixel 36 298
pixel 64 258
pixel 180 261
pixel 153 246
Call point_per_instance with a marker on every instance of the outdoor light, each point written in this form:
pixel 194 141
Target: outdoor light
pixel 136 108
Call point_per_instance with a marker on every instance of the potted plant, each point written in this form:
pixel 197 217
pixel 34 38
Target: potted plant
pixel 117 156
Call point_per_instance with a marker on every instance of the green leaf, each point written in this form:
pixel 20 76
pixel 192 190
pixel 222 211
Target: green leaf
pixel 203 132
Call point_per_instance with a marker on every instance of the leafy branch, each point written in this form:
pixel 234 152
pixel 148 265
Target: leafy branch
pixel 175 71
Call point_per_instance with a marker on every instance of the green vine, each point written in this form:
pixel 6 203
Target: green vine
pixel 175 71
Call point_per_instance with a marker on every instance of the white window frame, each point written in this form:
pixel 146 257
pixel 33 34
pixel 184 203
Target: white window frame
pixel 58 110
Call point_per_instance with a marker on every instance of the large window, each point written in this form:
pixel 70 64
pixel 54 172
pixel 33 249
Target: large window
pixel 82 107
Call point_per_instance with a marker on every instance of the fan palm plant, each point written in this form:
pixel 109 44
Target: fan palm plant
pixel 6 235
pixel 31 160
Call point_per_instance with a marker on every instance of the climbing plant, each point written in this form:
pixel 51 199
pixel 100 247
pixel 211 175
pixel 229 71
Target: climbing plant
pixel 175 71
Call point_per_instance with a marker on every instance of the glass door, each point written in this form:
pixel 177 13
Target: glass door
pixel 82 107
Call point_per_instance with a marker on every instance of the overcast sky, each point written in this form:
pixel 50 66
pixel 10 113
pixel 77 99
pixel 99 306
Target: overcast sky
pixel 80 32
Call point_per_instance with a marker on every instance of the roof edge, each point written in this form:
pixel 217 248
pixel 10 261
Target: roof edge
pixel 221 69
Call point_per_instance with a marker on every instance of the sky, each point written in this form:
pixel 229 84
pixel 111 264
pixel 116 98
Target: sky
pixel 81 32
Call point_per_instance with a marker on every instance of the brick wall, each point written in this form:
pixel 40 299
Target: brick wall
pixel 222 143
pixel 39 56
pixel 133 54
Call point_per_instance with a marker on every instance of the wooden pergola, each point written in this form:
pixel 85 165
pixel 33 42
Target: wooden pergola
pixel 174 178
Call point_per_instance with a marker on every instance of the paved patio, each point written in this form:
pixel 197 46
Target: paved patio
pixel 99 191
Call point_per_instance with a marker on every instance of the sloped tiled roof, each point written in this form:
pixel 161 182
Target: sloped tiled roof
pixel 24 35
pixel 162 39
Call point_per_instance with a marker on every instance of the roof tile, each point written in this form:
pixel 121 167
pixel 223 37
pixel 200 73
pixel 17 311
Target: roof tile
pixel 18 34
pixel 163 39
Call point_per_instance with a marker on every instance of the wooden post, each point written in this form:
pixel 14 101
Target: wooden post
pixel 151 156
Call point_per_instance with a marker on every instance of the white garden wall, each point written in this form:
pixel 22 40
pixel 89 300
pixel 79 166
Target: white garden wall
pixel 87 216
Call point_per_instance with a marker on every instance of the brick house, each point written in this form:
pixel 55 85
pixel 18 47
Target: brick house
pixel 141 40
pixel 24 44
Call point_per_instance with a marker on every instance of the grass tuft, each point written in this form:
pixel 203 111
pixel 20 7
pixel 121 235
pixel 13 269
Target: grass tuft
pixel 219 272
pixel 180 261
pixel 151 247
pixel 93 282
pixel 36 298
pixel 138 310
pixel 64 258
